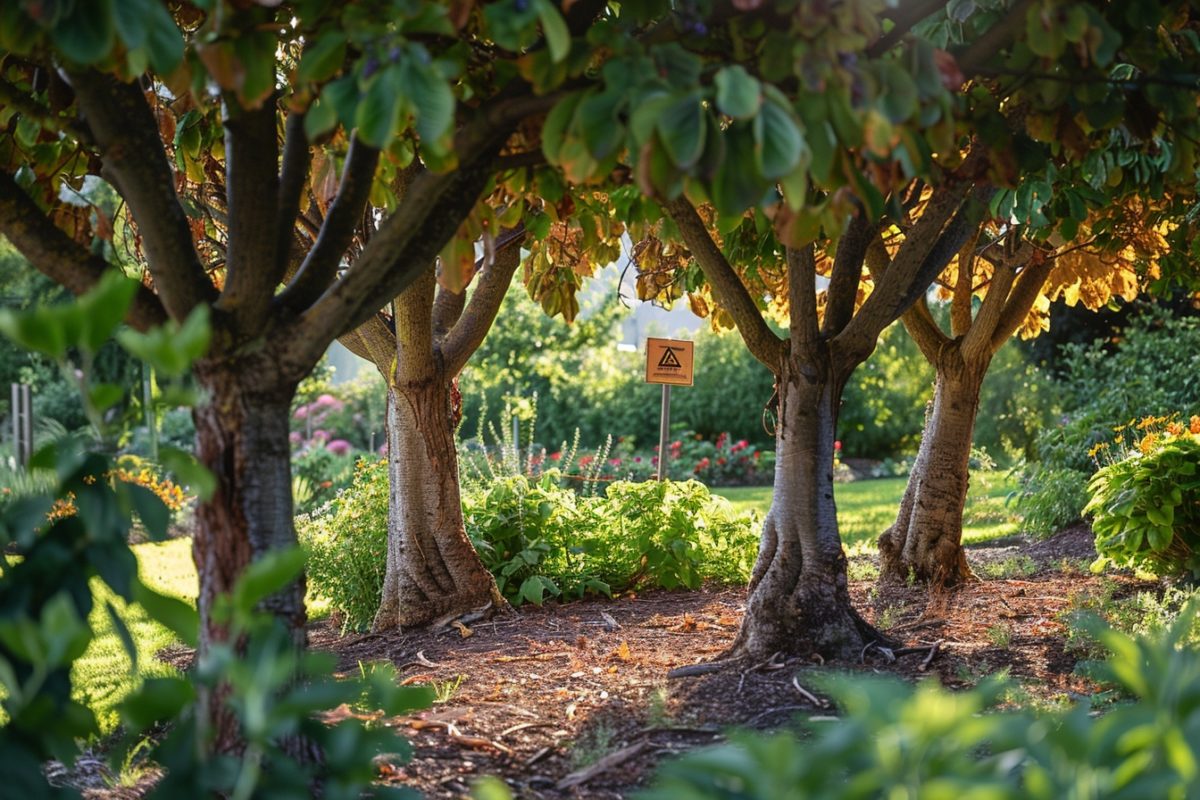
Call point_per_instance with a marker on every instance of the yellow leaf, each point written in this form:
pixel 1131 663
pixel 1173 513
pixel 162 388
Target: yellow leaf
pixel 623 651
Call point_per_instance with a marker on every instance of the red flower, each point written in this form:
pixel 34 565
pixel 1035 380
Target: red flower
pixel 555 456
pixel 837 446
pixel 721 460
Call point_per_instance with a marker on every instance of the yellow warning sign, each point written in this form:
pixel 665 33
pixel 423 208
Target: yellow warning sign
pixel 670 361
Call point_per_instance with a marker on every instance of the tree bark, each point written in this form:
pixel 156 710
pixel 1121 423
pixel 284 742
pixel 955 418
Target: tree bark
pixel 799 602
pixel 925 542
pixel 432 570
pixel 242 438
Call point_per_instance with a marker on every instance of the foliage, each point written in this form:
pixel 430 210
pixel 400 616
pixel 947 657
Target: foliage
pixel 325 473
pixel 1150 368
pixel 1146 501
pixel 347 543
pixel 541 540
pixel 896 740
pixel 348 411
pixel 273 690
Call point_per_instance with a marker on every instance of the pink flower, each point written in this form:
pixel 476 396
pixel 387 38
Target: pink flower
pixel 329 401
pixel 583 462
pixel 637 459
pixel 320 436
pixel 295 438
pixel 837 446
pixel 339 447
pixel 301 412
pixel 555 456
pixel 616 462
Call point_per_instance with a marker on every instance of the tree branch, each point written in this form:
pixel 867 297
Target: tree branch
pixel 960 303
pixel 252 198
pixel 136 163
pixel 293 178
pixel 405 245
pixel 1028 286
pixel 728 288
pixel 468 333
pixel 918 321
pixel 994 39
pixel 337 231
pixel 903 18
pixel 925 252
pixel 61 258
pixel 846 274
pixel 802 295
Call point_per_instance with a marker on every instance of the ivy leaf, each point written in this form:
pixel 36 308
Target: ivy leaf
pixel 739 94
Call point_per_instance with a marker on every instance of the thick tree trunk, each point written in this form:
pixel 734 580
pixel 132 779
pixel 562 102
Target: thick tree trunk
pixel 242 438
pixel 799 602
pixel 926 539
pixel 433 570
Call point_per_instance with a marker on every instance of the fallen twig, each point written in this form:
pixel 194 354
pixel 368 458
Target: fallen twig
pixel 603 765
pixel 538 756
pixel 933 651
pixel 809 696
pixel 777 710
pixel 530 657
pixel 520 726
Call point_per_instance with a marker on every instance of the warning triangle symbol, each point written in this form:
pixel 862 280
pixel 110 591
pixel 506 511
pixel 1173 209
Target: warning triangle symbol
pixel 669 360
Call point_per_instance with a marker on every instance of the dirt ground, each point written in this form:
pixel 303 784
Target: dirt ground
pixel 574 700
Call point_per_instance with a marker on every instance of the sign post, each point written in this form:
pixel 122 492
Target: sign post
pixel 22 421
pixel 670 362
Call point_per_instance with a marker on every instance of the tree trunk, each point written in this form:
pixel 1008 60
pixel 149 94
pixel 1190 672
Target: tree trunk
pixel 926 539
pixel 799 602
pixel 433 570
pixel 242 438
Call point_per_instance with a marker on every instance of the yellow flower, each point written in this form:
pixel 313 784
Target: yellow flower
pixel 1148 442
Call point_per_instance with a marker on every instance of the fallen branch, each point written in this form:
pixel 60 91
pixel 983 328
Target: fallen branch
pixel 521 726
pixel 611 760
pixel 933 651
pixel 531 657
pixel 778 710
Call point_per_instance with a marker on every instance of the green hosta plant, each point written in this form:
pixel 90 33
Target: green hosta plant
pixel 1146 505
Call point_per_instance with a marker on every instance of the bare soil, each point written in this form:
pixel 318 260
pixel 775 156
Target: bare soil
pixel 574 700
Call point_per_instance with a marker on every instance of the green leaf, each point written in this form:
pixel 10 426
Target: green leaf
pixel 778 145
pixel 322 60
pixel 739 94
pixel 598 121
pixel 170 612
pixel 171 348
pixel 103 308
pixel 266 575
pixel 86 34
pixel 104 396
pixel 320 119
pixel 152 511
pixel 157 701
pixel 554 131
pixel 430 93
pixel 378 113
pixel 554 27
pixel 37 330
pixel 189 472
pixel 123 634
pixel 682 130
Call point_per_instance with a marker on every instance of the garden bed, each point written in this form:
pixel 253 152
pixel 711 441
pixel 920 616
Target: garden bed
pixel 574 700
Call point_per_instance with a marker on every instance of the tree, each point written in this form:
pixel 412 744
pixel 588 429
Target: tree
pixel 1017 280
pixel 1016 62
pixel 432 569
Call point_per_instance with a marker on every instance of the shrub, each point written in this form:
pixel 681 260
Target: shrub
pixel 347 543
pixel 1152 368
pixel 1146 502
pixel 541 540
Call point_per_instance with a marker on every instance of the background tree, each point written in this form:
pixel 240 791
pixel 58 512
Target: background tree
pixel 432 569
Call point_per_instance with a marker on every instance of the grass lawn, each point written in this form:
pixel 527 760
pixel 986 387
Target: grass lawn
pixel 867 508
pixel 102 676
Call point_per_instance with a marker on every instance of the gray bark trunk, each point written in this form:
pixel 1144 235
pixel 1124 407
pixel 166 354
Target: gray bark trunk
pixel 433 570
pixel 799 602
pixel 925 542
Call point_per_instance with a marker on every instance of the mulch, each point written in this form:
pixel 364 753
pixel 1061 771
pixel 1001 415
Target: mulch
pixel 574 700
pixel 569 701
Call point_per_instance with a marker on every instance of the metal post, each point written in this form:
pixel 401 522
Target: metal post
pixel 516 428
pixel 22 414
pixel 148 405
pixel 664 425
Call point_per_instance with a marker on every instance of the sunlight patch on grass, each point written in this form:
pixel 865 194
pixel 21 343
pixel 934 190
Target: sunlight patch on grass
pixel 866 508
pixel 102 676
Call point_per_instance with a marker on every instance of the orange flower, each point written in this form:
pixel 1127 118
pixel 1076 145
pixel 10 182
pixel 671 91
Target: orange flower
pixel 1148 442
pixel 1175 429
pixel 1194 427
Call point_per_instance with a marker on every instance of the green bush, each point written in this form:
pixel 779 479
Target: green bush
pixel 1153 368
pixel 1146 505
pixel 541 540
pixel 900 741
pixel 347 543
